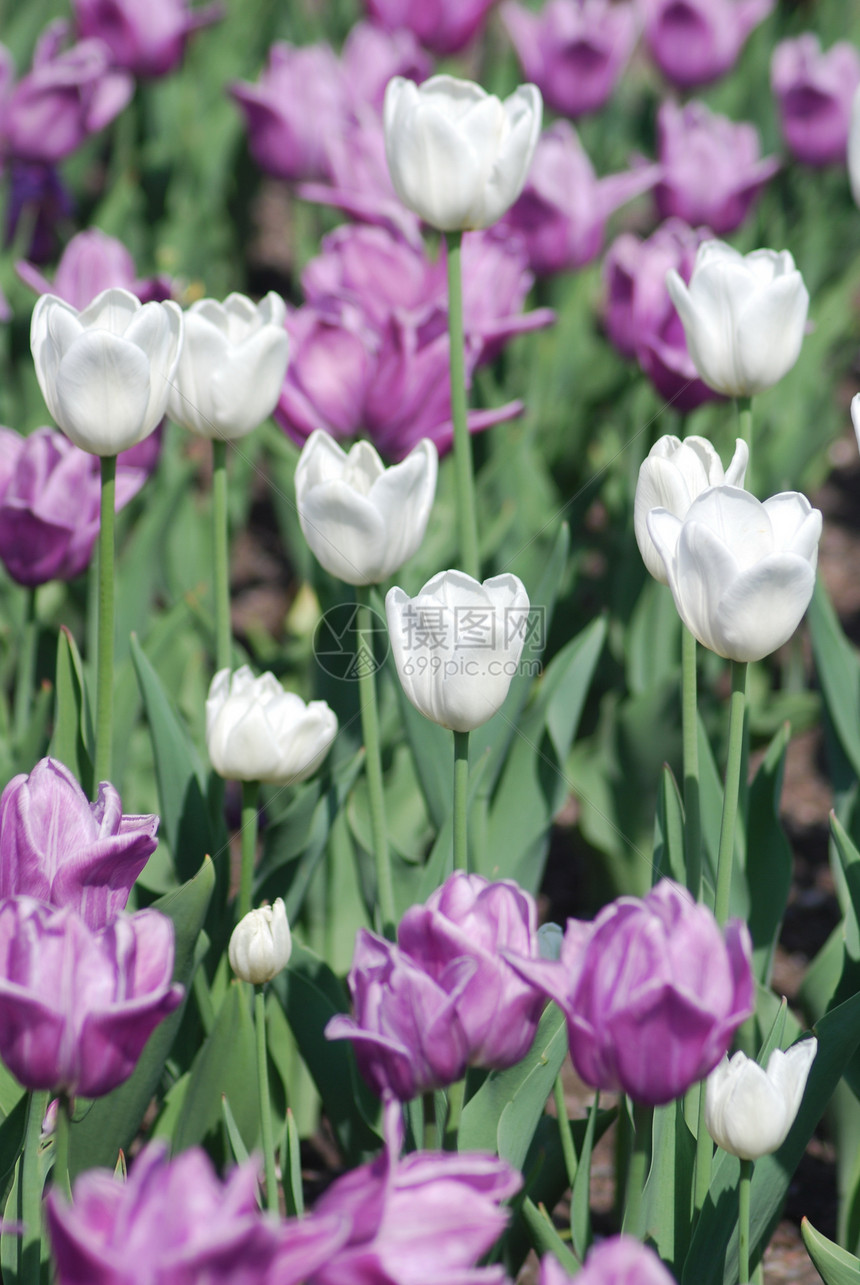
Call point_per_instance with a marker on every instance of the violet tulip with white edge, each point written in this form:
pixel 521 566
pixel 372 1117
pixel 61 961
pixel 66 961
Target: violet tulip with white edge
pixel 672 475
pixel 361 519
pixel 749 1109
pixel 458 156
pixel 744 316
pixel 741 572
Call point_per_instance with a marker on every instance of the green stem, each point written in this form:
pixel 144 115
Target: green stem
pixel 565 1132
pixel 26 675
pixel 221 556
pixel 725 858
pixel 745 426
pixel 456 1097
pixel 467 524
pixel 268 1133
pixel 373 763
pixel 640 1158
pixel 250 797
pixel 690 722
pixel 744 1222
pixel 61 1147
pixel 30 1190
pixel 104 716
pixel 461 801
pixel 428 1110
pixel 704 1155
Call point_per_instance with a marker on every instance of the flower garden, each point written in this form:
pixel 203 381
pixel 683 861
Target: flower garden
pixel 409 524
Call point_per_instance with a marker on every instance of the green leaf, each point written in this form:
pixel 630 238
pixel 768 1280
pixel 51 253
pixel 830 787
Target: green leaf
pixel 12 1134
pixel 770 859
pixel 73 739
pixel 666 1198
pixel 838 670
pixel 234 1135
pixel 669 859
pixel 835 1265
pixel 226 1066
pixel 113 1121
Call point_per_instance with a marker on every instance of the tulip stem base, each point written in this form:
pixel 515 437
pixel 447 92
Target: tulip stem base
pixel 461 801
pixel 104 689
pixel 266 1129
pixel 250 798
pixel 725 858
pixel 704 1155
pixel 467 522
pixel 26 672
pixel 221 556
pixel 373 763
pixel 637 1174
pixel 690 724
pixel 61 1147
pixel 744 1222
pixel 745 429
pixel 565 1132
pixel 456 1098
pixel 30 1191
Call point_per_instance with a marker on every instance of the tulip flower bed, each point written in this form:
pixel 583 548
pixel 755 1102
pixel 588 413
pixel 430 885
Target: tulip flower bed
pixel 411 602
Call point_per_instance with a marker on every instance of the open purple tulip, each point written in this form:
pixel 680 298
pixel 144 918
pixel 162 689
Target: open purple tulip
pixel 58 847
pixel 814 91
pixel 696 41
pixel 77 1006
pixel 652 992
pixel 423 1220
pixel 91 262
pixel 471 918
pixel 619 1260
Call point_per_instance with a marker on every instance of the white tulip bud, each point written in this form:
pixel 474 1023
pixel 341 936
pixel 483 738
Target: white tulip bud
pixel 458 156
pixel 261 945
pixel 744 316
pixel 749 1110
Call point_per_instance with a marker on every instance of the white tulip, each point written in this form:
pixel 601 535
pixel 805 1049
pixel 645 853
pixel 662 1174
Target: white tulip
pixel 744 316
pixel 105 371
pixel 256 731
pixel 854 147
pixel 232 366
pixel 855 416
pixel 458 156
pixel 672 475
pixel 261 945
pixel 749 1110
pixel 741 572
pixel 361 519
pixel 457 645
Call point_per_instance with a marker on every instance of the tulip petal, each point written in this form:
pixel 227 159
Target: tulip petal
pixel 769 331
pixel 345 531
pixel 704 570
pixel 102 390
pixel 762 607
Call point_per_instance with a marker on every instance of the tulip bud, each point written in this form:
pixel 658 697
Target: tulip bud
pixel 362 520
pixel 749 1110
pixel 232 366
pixel 744 316
pixel 457 645
pixel 458 156
pixel 260 946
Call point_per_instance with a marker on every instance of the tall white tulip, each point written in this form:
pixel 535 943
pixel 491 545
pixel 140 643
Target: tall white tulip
pixel 458 156
pixel 457 645
pixel 361 519
pixel 256 731
pixel 232 366
pixel 744 316
pixel 261 944
pixel 105 371
pixel 671 476
pixel 749 1110
pixel 741 572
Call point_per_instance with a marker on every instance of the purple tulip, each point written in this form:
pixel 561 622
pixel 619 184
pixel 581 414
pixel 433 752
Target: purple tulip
pixel 145 37
pixel 49 502
pixel 91 262
pixel 473 919
pixel 77 1006
pixel 652 992
pixel 620 1260
pixel 68 95
pixel 696 41
pixel 332 361
pixel 423 1220
pixel 814 92
pixel 58 847
pixel 562 213
pixel 297 104
pixel 371 56
pixel 173 1220
pixel 573 50
pixel 712 170
pixel 641 320
pixel 406 1033
pixel 37 194
pixel 442 26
